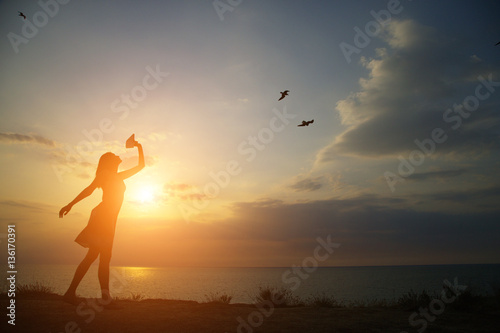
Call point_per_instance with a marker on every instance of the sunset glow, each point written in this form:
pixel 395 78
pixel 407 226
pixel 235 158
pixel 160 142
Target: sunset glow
pixel 146 195
pixel 400 164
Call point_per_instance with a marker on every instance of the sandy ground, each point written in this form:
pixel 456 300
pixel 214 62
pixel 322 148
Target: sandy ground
pixel 53 315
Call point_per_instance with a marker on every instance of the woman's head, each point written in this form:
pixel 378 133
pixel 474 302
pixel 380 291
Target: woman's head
pixel 108 163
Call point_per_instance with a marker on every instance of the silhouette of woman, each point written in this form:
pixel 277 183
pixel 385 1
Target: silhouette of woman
pixel 99 233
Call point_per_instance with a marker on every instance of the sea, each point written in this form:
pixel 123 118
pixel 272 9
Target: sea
pixel 345 284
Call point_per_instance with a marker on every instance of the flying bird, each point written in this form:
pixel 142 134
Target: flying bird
pixel 306 123
pixel 283 94
pixel 497 43
pixel 22 15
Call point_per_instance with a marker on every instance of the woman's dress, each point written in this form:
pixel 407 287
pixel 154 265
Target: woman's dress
pixel 100 230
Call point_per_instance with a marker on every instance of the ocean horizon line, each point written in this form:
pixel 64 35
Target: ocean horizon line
pixel 284 267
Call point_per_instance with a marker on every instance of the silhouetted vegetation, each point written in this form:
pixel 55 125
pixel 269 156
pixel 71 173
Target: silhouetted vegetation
pixel 412 301
pixel 324 301
pixel 467 301
pixel 218 298
pixel 279 297
pixel 33 290
pixel 136 297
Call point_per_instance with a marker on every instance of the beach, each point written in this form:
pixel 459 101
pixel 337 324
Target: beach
pixel 49 313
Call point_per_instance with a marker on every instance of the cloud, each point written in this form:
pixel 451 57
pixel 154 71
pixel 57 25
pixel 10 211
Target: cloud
pixel 178 187
pixel 307 185
pixel 409 86
pixel 184 191
pixel 70 160
pixel 16 138
pixel 28 206
pixel 374 229
pixel 63 159
pixel 442 174
pixel 484 196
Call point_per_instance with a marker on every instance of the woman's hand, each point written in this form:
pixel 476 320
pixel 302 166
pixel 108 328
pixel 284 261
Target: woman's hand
pixel 65 210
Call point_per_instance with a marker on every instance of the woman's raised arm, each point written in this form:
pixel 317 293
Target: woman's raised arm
pixel 130 172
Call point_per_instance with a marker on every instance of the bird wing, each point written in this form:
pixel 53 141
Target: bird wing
pixel 283 94
pixel 497 43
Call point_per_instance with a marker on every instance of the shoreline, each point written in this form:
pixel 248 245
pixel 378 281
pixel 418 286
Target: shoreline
pixel 364 284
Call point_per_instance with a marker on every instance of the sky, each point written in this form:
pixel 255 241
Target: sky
pixel 399 167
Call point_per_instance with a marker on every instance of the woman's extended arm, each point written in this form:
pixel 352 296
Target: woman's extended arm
pixel 130 172
pixel 85 193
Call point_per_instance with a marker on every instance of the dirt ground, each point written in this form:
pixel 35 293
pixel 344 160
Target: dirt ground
pixel 52 315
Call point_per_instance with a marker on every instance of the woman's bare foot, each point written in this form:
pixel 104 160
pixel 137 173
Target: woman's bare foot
pixel 108 302
pixel 71 299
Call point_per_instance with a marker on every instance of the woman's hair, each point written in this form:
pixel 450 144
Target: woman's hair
pixel 107 164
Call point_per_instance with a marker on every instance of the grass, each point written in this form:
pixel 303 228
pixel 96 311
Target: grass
pixel 135 297
pixel 218 298
pixel 324 301
pixel 279 297
pixel 372 303
pixel 412 301
pixel 33 290
pixel 467 301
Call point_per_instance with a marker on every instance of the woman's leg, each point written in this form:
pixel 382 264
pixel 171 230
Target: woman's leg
pixel 81 270
pixel 103 273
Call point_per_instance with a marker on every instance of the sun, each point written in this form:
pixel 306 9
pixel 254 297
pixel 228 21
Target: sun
pixel 146 194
